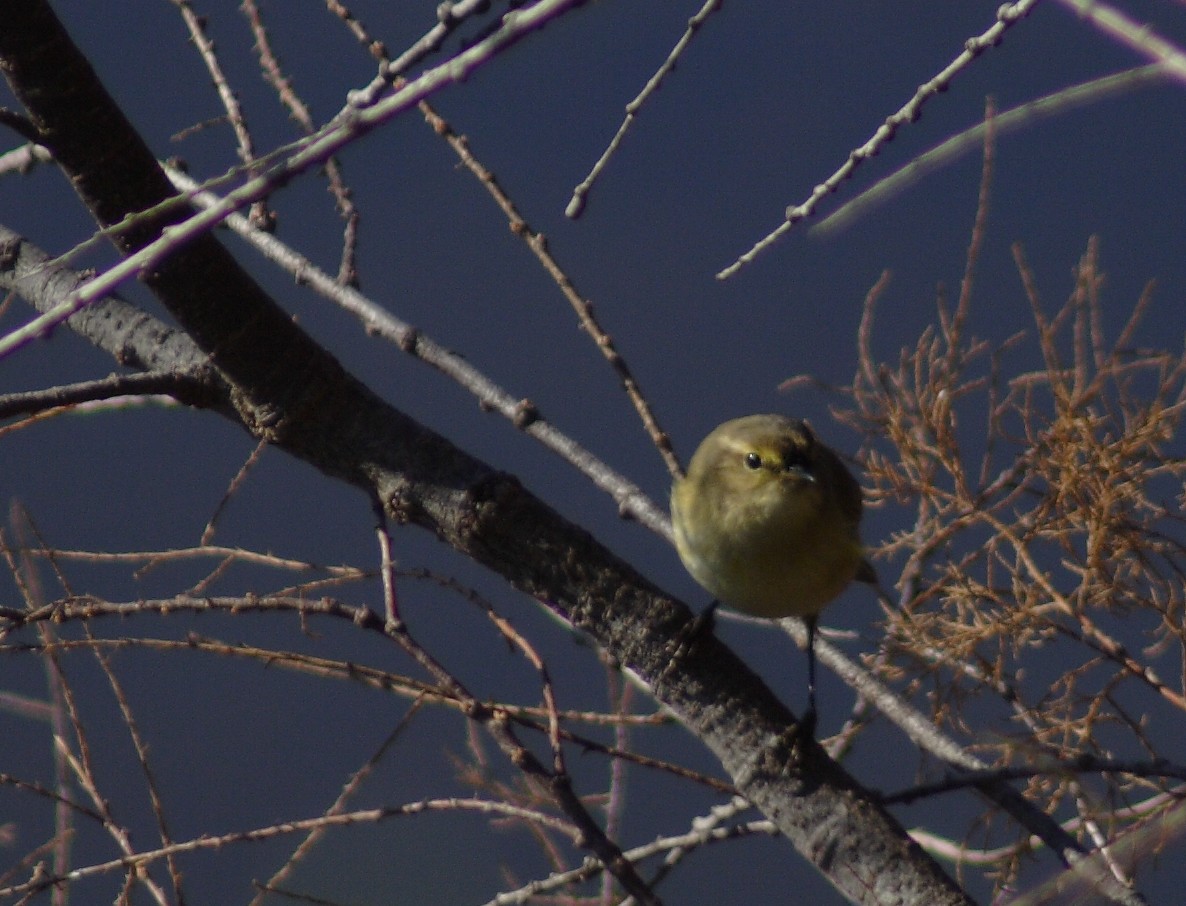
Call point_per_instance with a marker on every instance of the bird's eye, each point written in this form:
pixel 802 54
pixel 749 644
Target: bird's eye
pixel 753 461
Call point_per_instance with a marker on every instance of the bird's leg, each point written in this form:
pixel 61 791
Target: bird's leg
pixel 702 622
pixel 696 627
pixel 688 634
pixel 808 721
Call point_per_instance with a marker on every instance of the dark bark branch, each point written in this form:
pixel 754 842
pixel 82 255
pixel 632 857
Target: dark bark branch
pixel 132 337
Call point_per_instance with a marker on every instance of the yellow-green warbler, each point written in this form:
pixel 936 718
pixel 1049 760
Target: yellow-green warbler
pixel 767 521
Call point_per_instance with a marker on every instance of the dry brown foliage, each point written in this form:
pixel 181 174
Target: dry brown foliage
pixel 1040 590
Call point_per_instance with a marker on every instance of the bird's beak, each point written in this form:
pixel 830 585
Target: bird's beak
pixel 799 473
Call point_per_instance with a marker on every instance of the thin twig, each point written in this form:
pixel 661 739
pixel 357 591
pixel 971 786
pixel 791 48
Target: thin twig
pixel 1007 16
pixel 196 26
pixel 582 306
pixel 576 206
pixel 274 75
pixel 235 485
pixel 185 387
pixel 338 807
pixel 1055 104
pixel 1135 35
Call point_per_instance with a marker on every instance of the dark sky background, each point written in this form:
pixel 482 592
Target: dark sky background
pixel 767 103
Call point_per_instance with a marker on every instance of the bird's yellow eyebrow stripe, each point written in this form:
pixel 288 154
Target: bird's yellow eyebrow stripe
pixel 739 446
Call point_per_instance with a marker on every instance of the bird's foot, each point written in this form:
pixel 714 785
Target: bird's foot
pixel 696 628
pixel 807 723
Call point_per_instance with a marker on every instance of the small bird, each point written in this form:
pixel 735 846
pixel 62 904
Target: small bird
pixel 767 519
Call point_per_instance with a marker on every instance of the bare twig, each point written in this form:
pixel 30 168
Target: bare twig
pixel 1019 117
pixel 1007 16
pixel 196 26
pixel 582 306
pixel 275 76
pixel 1135 35
pixel 580 194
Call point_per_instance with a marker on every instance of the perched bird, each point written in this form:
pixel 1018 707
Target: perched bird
pixel 766 519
